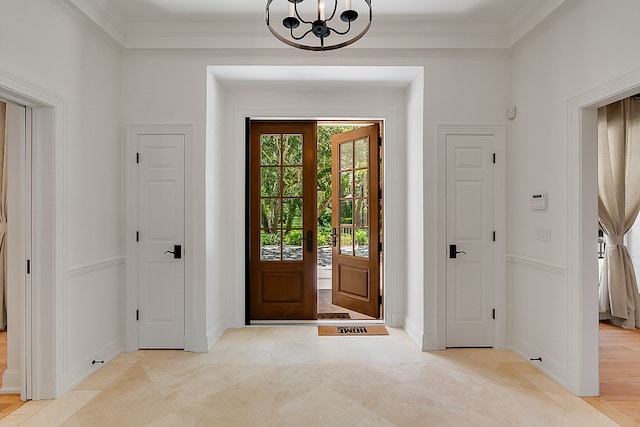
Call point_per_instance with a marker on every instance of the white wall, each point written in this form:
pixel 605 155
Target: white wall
pixel 587 45
pixel 217 296
pixel 457 90
pixel 47 47
pixel 171 87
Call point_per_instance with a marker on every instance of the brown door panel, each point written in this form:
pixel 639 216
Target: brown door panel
pixel 282 163
pixel 356 219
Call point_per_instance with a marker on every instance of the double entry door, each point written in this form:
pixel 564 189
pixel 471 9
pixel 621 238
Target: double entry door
pixel 283 220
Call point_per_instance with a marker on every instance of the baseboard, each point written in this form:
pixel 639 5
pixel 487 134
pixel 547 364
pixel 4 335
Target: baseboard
pixel 11 382
pixel 87 368
pixel 213 336
pixel 414 332
pixel 549 366
pixel 394 320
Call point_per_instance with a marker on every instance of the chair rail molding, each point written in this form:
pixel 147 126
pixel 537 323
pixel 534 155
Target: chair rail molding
pixel 81 270
pixel 537 264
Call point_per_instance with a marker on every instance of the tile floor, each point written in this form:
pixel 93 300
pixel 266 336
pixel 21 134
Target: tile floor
pixel 288 376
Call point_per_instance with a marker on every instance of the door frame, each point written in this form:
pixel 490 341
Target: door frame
pixel 41 375
pixel 582 214
pixel 498 133
pixel 247 119
pixel 131 226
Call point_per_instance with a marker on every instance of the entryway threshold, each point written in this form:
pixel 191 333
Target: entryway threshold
pixel 314 322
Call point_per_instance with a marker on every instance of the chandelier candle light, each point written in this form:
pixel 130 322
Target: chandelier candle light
pixel 319 22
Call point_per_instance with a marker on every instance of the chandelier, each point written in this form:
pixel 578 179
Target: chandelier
pixel 321 28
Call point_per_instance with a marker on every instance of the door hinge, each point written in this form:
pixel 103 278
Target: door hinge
pixel 380 194
pixel 494 157
pixel 379 246
pixel 379 299
pixel 494 236
pixel 379 141
pixel 138 158
pixel 137 236
pixel 137 314
pixel 493 314
pixel 28 266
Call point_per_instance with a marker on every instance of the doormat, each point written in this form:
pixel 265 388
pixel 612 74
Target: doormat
pixel 325 331
pixel 333 316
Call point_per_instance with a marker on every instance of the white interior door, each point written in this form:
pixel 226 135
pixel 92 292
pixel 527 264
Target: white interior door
pixel 470 275
pixel 161 236
pixel 18 252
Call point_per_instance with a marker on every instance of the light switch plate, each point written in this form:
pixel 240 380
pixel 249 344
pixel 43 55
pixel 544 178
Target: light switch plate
pixel 543 234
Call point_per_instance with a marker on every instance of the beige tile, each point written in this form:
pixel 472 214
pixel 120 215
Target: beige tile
pixel 515 406
pixel 571 403
pixel 13 419
pixel 288 376
pixel 31 407
pixel 60 410
pixel 545 383
pixel 127 358
pixel 171 420
pixel 103 377
pixel 73 421
pixel 131 400
pixel 311 409
pixel 587 419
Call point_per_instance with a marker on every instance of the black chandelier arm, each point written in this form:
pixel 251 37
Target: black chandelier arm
pixel 335 8
pixel 338 32
pixel 301 37
pixel 295 8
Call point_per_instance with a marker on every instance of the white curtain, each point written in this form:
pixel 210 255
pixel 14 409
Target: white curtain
pixel 618 206
pixel 3 214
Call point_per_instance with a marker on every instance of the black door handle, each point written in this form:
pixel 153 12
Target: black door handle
pixel 177 252
pixel 453 251
pixel 309 241
pixel 334 237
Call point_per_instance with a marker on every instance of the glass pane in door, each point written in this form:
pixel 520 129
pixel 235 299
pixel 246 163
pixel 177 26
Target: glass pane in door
pixel 354 198
pixel 281 186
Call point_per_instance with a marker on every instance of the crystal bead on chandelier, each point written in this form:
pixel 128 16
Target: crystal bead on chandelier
pixel 320 21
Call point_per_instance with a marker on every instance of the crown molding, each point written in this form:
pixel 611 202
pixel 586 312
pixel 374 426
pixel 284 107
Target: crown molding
pixel 532 15
pixel 382 35
pixel 107 20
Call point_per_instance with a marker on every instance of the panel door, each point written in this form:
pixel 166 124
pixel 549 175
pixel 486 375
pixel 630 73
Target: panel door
pixel 470 279
pixel 161 229
pixel 283 221
pixel 355 216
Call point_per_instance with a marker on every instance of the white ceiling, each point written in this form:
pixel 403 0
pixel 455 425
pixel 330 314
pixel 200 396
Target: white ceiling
pixel 200 11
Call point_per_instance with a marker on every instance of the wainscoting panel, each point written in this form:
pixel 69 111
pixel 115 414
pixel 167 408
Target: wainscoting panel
pixel 537 314
pixel 95 297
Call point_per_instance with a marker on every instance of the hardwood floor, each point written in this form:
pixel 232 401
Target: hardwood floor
pixel 8 402
pixel 619 375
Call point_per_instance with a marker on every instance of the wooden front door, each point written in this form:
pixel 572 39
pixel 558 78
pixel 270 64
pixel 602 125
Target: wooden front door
pixel 282 220
pixel 356 208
